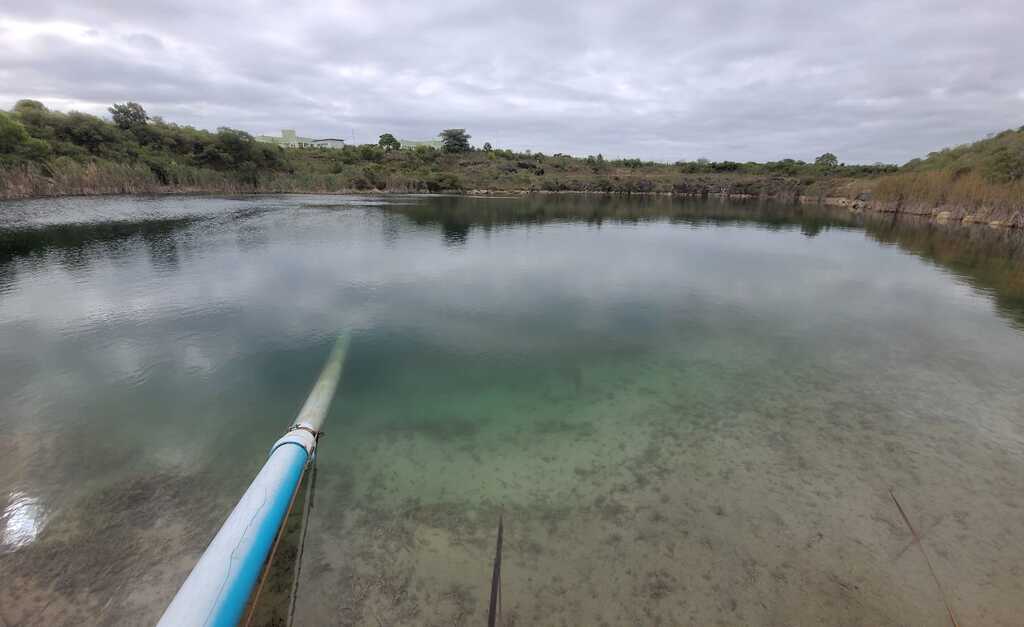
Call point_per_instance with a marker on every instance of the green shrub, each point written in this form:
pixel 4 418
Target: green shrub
pixel 16 145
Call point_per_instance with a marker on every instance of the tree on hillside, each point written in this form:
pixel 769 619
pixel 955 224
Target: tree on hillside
pixel 15 142
pixel 827 161
pixel 12 134
pixel 487 147
pixel 454 140
pixel 128 115
pixel 1005 164
pixel 24 108
pixel 388 142
pixel 95 135
pixel 38 120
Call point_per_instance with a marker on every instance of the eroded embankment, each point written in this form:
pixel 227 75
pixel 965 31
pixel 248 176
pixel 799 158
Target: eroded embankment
pixel 1006 217
pixel 854 194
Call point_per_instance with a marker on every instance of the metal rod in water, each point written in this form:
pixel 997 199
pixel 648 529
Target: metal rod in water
pixel 494 611
pixel 920 546
pixel 220 585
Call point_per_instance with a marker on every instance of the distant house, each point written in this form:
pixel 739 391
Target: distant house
pixel 329 142
pixel 289 139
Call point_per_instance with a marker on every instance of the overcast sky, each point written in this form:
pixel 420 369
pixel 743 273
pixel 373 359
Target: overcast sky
pixel 666 80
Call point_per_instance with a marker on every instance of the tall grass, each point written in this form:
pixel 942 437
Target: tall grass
pixel 964 191
pixel 64 176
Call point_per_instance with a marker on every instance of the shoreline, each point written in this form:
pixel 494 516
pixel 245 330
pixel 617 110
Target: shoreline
pixel 941 214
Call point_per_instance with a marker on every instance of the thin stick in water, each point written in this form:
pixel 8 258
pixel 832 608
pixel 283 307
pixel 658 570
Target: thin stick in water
pixel 495 608
pixel 917 541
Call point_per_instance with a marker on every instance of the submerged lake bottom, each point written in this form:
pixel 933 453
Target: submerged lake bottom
pixel 684 412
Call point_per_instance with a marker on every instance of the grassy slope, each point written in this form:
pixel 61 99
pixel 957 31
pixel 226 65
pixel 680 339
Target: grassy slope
pixel 983 182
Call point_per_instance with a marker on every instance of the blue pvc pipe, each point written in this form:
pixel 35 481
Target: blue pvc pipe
pixel 217 591
pixel 249 563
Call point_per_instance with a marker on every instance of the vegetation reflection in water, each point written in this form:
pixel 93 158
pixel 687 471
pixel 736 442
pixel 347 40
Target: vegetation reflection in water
pixel 688 412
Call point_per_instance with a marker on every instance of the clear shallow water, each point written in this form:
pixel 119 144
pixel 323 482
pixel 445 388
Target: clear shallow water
pixel 687 412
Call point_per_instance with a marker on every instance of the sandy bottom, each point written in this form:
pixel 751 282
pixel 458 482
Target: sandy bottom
pixel 712 486
pixel 755 496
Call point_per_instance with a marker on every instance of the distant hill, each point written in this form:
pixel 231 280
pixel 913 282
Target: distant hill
pixel 48 153
pixel 44 152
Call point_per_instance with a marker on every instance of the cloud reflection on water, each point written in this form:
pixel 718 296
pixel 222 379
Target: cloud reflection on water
pixel 21 521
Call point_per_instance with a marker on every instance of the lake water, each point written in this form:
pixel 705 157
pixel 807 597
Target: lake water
pixel 687 412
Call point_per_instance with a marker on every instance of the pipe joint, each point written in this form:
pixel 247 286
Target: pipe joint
pixel 302 437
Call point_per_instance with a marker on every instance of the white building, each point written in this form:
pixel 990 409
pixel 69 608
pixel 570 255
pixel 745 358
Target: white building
pixel 289 139
pixel 329 142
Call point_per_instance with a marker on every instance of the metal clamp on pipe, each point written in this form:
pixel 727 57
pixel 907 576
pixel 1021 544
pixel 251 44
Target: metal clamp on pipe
pixel 304 437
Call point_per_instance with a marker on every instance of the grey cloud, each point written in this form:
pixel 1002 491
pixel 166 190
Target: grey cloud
pixel 144 40
pixel 875 81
